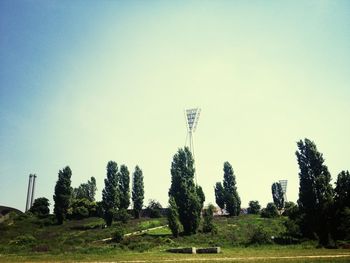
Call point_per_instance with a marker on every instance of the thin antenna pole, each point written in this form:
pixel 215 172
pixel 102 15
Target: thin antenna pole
pixel 33 188
pixel 28 192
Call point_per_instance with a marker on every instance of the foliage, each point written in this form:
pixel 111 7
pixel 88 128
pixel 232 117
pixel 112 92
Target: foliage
pixel 154 209
pixel 23 240
pixel 232 199
pixel 124 187
pixel 173 217
pixel 341 218
pixel 118 235
pixel 86 190
pixel 137 191
pixel 259 236
pixel 122 215
pixel 219 195
pixel 188 197
pixel 208 217
pixel 82 208
pixel 62 194
pixel 254 207
pixel 277 195
pixel 40 207
pixel 315 192
pixel 270 211
pixel 110 194
pixel 291 210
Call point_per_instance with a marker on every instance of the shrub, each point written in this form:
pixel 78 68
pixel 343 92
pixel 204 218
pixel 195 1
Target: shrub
pixel 270 211
pixel 118 235
pixel 259 236
pixel 40 207
pixel 122 215
pixel 208 216
pixel 154 209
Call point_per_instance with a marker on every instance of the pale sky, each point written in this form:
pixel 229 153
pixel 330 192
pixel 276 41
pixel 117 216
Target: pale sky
pixel 85 82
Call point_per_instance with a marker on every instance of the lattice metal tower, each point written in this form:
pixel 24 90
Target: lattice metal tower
pixel 192 116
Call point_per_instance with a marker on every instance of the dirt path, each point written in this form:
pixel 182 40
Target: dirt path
pixel 135 233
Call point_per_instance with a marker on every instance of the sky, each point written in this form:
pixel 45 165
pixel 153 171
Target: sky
pixel 86 82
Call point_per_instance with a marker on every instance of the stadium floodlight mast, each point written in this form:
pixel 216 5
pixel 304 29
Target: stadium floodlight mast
pixel 284 188
pixel 192 116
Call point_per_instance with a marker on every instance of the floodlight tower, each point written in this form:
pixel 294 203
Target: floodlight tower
pixel 192 116
pixel 284 188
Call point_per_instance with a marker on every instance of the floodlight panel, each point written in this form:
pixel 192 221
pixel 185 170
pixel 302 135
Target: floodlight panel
pixel 192 118
pixel 284 185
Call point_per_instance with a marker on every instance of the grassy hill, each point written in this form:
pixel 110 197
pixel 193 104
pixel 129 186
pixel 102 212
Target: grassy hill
pixel 26 237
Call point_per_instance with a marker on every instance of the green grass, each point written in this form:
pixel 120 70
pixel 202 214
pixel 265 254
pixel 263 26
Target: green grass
pixel 30 239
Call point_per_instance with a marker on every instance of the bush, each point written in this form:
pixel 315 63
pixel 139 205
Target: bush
pixel 270 211
pixel 254 207
pixel 122 215
pixel 40 207
pixel 118 235
pixel 259 236
pixel 154 209
pixel 208 216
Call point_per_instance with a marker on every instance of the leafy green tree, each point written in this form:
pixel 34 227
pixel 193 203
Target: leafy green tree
pixel 124 187
pixel 137 191
pixel 82 208
pixel 315 192
pixel 62 194
pixel 110 194
pixel 291 210
pixel 208 218
pixel 277 195
pixel 173 217
pixel 232 199
pixel 270 211
pixel 219 195
pixel 189 198
pixel 154 209
pixel 254 207
pixel 40 207
pixel 86 190
pixel 341 218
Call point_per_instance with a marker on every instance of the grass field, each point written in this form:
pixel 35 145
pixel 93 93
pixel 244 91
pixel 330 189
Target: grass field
pixel 24 239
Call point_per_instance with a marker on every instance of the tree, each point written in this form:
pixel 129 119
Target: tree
pixel 86 190
pixel 188 197
pixel 254 207
pixel 137 191
pixel 315 192
pixel 232 200
pixel 219 195
pixel 341 218
pixel 154 209
pixel 110 194
pixel 63 193
pixel 270 211
pixel 173 217
pixel 277 195
pixel 208 217
pixel 124 187
pixel 40 207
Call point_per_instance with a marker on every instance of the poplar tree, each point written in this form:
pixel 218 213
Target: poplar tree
pixel 124 187
pixel 110 194
pixel 219 195
pixel 188 197
pixel 277 195
pixel 315 192
pixel 137 191
pixel 62 196
pixel 232 199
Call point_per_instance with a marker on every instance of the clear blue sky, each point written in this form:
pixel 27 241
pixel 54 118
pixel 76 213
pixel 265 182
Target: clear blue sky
pixel 85 82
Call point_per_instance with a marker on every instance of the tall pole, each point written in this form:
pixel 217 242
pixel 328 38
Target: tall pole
pixel 28 192
pixel 33 188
